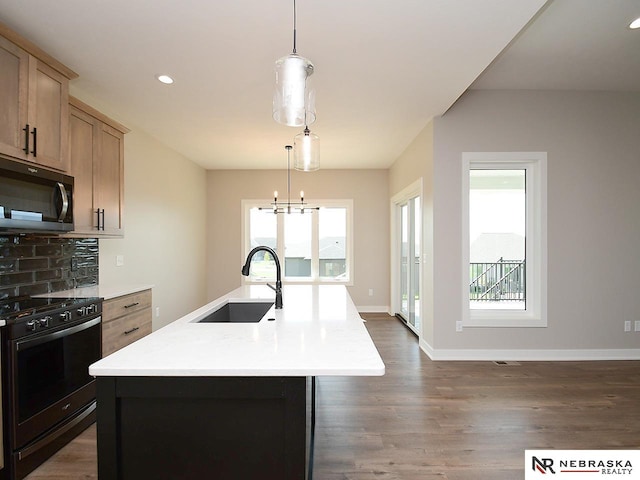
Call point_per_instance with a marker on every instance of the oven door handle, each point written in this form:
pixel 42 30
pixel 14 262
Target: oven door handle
pixel 22 344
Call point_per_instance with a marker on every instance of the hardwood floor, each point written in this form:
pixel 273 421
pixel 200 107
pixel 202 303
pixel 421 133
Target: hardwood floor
pixel 78 460
pixel 445 420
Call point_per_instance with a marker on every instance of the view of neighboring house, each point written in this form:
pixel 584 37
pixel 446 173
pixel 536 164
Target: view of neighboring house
pixel 297 261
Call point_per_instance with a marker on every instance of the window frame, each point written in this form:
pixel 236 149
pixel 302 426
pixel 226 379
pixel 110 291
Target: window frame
pixel 535 165
pixel 315 278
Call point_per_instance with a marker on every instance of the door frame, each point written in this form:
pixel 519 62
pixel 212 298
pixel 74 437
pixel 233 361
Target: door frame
pixel 414 189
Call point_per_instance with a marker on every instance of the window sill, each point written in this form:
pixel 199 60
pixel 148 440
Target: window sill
pixel 501 319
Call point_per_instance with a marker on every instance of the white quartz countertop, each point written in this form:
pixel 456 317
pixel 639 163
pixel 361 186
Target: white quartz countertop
pixel 103 291
pixel 317 332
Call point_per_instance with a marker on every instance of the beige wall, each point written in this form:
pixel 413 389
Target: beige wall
pixel 593 172
pixel 368 189
pixel 164 229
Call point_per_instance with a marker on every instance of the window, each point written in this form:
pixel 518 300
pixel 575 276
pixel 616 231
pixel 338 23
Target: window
pixel 504 239
pixel 313 247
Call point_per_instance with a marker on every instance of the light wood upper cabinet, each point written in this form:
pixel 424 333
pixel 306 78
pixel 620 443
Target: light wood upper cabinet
pixel 96 146
pixel 48 116
pixel 34 99
pixel 14 73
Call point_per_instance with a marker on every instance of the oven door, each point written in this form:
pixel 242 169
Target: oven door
pixel 51 381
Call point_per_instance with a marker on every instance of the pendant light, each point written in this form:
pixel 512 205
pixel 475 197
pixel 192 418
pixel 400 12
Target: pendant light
pixel 306 151
pixel 293 104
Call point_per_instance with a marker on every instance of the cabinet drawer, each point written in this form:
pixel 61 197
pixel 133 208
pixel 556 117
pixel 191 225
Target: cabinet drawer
pixel 125 330
pixel 125 305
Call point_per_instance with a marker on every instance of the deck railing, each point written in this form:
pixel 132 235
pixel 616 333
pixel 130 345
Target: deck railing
pixel 503 280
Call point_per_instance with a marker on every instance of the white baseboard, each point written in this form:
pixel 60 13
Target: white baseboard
pixel 373 308
pixel 543 355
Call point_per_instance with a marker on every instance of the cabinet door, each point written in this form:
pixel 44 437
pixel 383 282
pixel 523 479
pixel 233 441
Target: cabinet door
pixel 82 146
pixel 49 113
pixel 109 179
pixel 14 72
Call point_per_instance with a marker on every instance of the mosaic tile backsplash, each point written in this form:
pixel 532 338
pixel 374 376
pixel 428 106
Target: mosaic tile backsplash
pixel 32 265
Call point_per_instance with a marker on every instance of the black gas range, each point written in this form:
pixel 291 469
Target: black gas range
pixel 48 394
pixel 28 315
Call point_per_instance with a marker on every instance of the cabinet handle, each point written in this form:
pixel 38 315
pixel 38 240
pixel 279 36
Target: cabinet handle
pixel 26 139
pixel 35 142
pixel 132 305
pixel 100 212
pixel 132 330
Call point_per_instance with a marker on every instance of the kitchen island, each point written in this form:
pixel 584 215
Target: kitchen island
pixel 200 400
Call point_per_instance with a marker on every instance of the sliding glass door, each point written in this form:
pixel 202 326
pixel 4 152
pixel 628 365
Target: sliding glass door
pixel 409 275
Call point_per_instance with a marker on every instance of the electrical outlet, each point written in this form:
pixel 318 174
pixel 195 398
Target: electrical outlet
pixel 119 260
pixel 157 312
pixel 459 326
pixel 74 264
pixel 627 325
pixel 637 326
pixel 371 292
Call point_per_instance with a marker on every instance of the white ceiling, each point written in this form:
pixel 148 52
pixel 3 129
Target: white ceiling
pixel 383 68
pixel 573 45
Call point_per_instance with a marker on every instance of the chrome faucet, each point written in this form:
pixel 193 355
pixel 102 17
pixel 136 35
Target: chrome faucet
pixel 278 287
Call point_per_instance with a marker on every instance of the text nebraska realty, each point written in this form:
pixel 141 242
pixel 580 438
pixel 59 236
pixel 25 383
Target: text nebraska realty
pixel 606 467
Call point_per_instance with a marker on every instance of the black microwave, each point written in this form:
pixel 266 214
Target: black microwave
pixel 34 199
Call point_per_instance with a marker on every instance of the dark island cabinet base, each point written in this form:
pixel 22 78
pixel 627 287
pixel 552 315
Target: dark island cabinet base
pixel 203 428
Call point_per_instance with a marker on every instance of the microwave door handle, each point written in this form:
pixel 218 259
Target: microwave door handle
pixel 65 202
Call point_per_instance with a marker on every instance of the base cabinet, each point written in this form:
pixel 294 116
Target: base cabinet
pixel 96 145
pixel 194 428
pixel 124 320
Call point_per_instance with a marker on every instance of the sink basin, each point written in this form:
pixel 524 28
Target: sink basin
pixel 238 312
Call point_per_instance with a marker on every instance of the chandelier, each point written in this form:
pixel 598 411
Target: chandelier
pixel 289 206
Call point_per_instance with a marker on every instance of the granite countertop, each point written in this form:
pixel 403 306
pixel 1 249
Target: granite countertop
pixel 103 291
pixel 317 332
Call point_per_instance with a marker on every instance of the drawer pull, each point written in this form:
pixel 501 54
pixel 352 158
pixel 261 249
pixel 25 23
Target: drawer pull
pixel 132 305
pixel 132 330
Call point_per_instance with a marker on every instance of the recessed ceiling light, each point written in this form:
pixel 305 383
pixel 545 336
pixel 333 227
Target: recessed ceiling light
pixel 165 79
pixel 635 24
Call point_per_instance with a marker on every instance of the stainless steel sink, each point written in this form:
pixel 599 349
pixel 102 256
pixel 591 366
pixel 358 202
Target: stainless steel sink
pixel 238 312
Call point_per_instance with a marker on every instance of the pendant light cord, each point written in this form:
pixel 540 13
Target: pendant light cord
pixel 294 26
pixel 288 175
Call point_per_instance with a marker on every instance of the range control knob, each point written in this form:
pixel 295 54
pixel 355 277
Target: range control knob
pixel 82 310
pixel 44 321
pixel 31 325
pixel 65 316
pixel 92 308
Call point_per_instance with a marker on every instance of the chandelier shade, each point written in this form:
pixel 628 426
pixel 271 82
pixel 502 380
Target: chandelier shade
pixel 306 151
